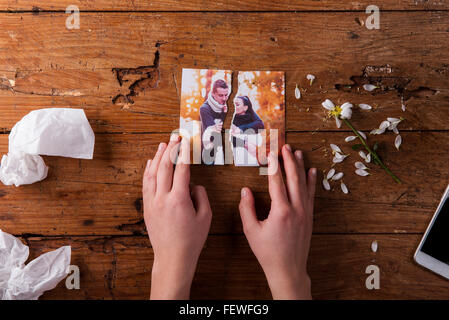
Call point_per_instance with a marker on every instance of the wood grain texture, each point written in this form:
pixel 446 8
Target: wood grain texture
pixel 46 65
pixel 120 268
pixel 96 205
pixel 228 5
pixel 103 196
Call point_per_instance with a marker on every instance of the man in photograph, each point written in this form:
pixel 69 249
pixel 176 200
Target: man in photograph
pixel 212 115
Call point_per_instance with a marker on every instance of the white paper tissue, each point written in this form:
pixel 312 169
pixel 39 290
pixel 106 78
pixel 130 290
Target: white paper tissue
pixel 62 132
pixel 20 282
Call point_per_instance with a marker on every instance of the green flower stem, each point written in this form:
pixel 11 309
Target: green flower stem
pixel 374 154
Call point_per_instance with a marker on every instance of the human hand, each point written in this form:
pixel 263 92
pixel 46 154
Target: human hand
pixel 177 219
pixel 281 242
pixel 235 129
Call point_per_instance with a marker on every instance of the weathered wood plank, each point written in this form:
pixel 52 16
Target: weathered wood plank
pixel 120 268
pixel 42 64
pixel 229 5
pixel 102 196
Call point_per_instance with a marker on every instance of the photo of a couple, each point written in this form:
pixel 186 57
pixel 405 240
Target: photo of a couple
pixel 204 106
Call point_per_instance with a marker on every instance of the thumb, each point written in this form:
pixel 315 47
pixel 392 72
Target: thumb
pixel 201 201
pixel 248 210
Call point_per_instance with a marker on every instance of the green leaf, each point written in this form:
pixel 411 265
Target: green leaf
pixel 357 146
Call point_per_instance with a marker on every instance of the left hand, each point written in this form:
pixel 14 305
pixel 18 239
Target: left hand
pixel 177 219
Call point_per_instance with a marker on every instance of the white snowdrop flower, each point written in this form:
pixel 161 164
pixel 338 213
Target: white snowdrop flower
pixel 361 172
pixel 362 134
pixel 395 130
pixel 346 110
pixel 365 106
pixel 374 246
pixel 344 188
pixel 330 174
pixel 310 77
pixel 360 165
pixel 326 184
pixel 369 87
pixel 297 92
pixel 338 176
pixel 350 138
pixel 368 158
pixel 335 148
pixel 398 141
pixel 393 124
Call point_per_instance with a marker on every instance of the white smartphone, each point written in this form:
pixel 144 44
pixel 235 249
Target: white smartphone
pixel 433 251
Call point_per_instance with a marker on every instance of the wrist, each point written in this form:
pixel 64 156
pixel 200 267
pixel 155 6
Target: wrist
pixel 171 280
pixel 290 286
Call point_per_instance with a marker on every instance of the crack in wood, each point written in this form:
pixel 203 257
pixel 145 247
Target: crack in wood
pixel 385 83
pixel 147 78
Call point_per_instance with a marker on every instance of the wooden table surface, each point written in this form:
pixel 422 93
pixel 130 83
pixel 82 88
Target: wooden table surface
pixel 96 205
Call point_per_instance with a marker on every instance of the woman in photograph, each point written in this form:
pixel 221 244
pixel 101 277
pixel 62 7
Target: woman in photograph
pixel 244 129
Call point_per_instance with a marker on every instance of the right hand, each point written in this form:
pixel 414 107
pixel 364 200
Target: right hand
pixel 281 242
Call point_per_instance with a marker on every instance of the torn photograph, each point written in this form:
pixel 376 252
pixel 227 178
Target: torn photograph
pixel 204 97
pixel 258 124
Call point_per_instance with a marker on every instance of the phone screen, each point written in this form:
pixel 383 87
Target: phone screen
pixel 436 244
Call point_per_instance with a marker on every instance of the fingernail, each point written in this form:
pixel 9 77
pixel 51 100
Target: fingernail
pixel 287 146
pixel 243 192
pixel 148 163
pixel 161 146
pixel 298 154
pixel 174 137
pixel 314 171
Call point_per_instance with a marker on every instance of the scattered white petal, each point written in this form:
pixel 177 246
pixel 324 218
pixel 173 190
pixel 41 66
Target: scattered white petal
pixel 329 105
pixel 350 138
pixel 398 141
pixel 310 77
pixel 361 172
pixel 365 106
pixel 326 184
pixel 330 174
pixel 344 188
pixel 403 107
pixel 362 134
pixel 360 165
pixel 384 125
pixel 362 155
pixel 297 93
pixel 369 87
pixel 335 148
pixel 368 158
pixel 392 120
pixel 374 246
pixel 338 176
pixel 375 131
pixel 337 160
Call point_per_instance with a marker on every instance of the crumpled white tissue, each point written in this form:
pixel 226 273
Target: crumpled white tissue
pixel 28 282
pixel 62 132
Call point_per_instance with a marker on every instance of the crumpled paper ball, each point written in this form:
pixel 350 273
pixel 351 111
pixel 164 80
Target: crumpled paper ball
pixel 28 282
pixel 61 132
